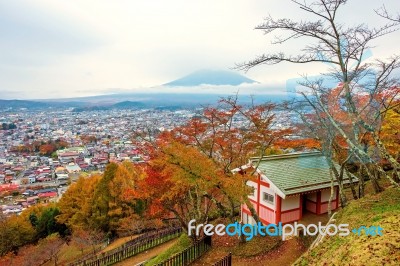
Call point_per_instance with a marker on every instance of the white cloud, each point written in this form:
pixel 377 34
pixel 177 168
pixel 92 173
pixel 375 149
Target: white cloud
pixel 242 89
pixel 50 46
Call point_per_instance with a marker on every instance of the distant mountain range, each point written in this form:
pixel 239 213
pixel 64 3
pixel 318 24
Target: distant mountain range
pixel 21 104
pixel 168 99
pixel 171 101
pixel 119 105
pixel 38 104
pixel 211 77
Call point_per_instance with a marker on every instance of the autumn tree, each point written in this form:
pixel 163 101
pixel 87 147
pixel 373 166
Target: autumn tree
pixel 389 137
pixel 182 181
pixel 47 149
pixel 86 139
pixel 15 231
pixel 44 251
pixel 101 201
pixel 30 226
pixel 121 205
pixel 136 224
pixel 192 164
pixel 87 238
pixel 317 126
pixel 131 225
pixel 42 147
pixel 51 247
pixel 390 131
pixel 229 134
pixel 366 88
pixel 102 197
pixel 28 255
pixel 111 199
pixel 76 203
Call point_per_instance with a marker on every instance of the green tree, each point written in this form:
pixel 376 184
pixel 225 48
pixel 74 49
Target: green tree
pixel 47 224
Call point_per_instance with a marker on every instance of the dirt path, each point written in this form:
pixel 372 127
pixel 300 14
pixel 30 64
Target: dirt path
pixel 147 254
pixel 285 254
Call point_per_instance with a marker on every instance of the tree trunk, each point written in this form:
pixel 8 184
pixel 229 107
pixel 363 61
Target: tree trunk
pixel 364 157
pixel 353 190
pixel 332 192
pixel 252 211
pixel 339 177
pixel 358 151
pixel 373 179
pixel 361 184
pixel 217 203
pixel 242 238
pixel 232 212
pixel 393 162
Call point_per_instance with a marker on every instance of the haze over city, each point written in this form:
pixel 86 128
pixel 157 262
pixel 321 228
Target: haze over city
pixel 54 49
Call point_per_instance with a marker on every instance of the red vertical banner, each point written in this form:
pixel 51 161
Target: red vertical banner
pixel 278 206
pixel 319 202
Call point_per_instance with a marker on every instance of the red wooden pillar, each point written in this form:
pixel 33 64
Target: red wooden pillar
pixel 319 202
pixel 301 207
pixel 278 206
pixel 337 197
pixel 258 194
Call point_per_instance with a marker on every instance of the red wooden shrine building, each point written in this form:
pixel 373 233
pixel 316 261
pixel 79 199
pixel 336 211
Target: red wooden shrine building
pixel 289 185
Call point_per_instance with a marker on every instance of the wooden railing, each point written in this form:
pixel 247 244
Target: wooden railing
pixel 131 248
pixel 190 254
pixel 225 261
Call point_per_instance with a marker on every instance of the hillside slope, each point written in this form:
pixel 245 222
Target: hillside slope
pixel 375 210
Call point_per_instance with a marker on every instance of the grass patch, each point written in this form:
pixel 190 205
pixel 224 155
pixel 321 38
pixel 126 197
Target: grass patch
pixel 382 210
pixel 70 253
pixel 306 240
pixel 182 243
pixel 376 218
pixel 337 242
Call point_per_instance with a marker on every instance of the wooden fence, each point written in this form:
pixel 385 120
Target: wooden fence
pixel 190 254
pixel 131 248
pixel 225 261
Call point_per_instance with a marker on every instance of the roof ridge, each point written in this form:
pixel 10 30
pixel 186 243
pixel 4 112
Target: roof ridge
pixel 287 156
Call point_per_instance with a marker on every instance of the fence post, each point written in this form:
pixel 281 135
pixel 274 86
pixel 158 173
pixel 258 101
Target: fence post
pixel 208 240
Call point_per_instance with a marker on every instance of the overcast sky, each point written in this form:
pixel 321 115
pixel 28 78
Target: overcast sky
pixel 58 48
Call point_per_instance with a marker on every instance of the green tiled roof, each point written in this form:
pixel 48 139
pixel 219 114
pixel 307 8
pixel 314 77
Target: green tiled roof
pixel 298 172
